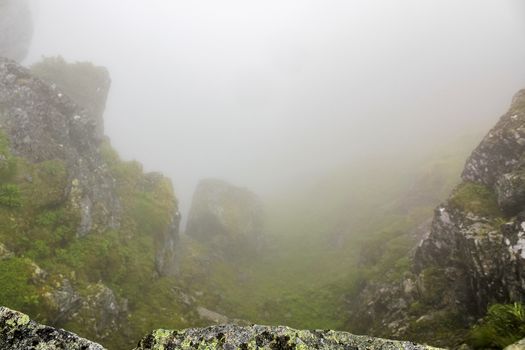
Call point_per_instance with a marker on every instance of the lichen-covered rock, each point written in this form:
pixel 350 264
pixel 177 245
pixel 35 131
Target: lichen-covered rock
pixel 16 29
pixel 265 337
pixel 226 217
pixel 18 332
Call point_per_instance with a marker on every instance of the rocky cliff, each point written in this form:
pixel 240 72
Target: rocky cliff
pixel 18 332
pixel 84 236
pixel 473 254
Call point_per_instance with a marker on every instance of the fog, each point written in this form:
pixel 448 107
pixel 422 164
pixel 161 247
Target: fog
pixel 269 93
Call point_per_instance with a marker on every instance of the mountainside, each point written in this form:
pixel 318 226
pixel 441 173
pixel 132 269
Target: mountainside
pixel 474 253
pixel 87 241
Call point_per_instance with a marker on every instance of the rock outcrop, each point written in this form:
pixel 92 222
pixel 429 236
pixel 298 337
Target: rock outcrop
pixel 18 332
pixel 104 232
pixel 473 255
pixel 226 217
pixel 43 124
pixel 477 241
pixel 266 337
pixel 16 29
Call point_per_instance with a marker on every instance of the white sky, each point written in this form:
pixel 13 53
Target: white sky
pixel 267 93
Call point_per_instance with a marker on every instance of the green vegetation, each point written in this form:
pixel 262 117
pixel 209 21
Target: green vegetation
pixel 17 289
pixel 39 225
pixel 475 198
pixel 503 325
pixel 10 196
pixel 323 241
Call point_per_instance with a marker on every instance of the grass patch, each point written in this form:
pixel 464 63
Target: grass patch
pixel 475 198
pixel 502 326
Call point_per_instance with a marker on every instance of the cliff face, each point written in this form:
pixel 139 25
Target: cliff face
pixel 84 236
pixel 43 124
pixel 474 253
pixel 477 238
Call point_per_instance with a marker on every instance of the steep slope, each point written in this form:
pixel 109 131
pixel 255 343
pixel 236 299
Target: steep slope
pixel 474 253
pixel 87 241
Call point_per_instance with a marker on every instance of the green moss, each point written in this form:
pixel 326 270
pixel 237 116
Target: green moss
pixel 475 198
pixel 17 291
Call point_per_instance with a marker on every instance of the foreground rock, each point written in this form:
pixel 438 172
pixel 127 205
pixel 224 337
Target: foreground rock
pixel 18 332
pixel 265 337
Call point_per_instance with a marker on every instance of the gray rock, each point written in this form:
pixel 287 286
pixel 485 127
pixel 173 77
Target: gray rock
pixel 264 337
pixel 18 332
pixel 43 124
pixel 473 255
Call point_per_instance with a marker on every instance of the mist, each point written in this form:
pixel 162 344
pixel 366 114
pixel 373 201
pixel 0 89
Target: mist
pixel 268 94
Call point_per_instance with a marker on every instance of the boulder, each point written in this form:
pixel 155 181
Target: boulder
pixel 18 332
pixel 265 337
pixel 226 217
